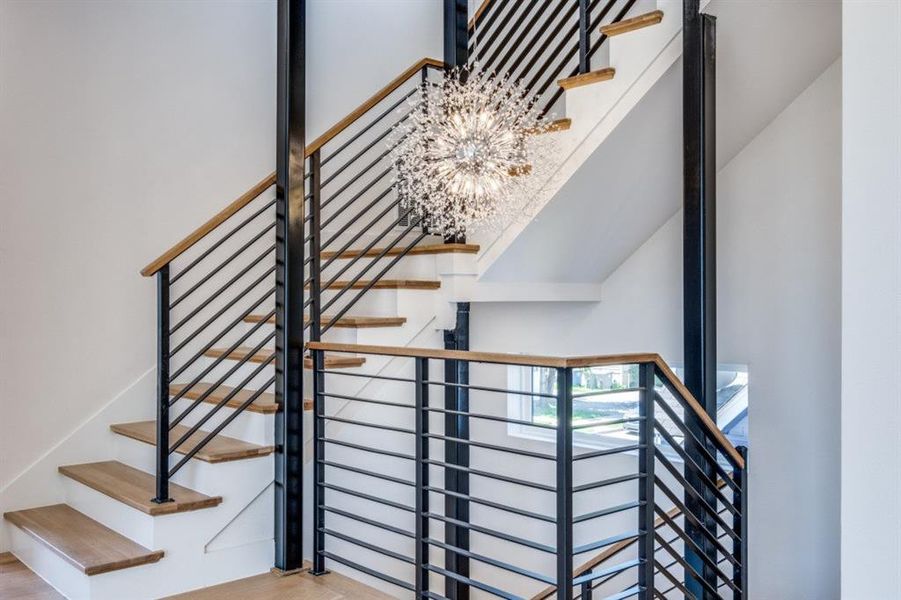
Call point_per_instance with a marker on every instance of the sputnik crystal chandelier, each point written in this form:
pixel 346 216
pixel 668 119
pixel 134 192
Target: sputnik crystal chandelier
pixel 468 155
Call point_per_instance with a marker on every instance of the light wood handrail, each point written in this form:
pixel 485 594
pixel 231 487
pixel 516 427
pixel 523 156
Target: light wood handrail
pixel 550 362
pixel 245 198
pixel 478 14
pixel 372 101
pixel 217 219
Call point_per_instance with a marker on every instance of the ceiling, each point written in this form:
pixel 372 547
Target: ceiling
pixel 768 52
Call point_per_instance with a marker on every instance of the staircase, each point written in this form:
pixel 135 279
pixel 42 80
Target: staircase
pixel 185 498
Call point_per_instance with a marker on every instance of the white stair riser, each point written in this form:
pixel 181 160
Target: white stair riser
pixel 253 427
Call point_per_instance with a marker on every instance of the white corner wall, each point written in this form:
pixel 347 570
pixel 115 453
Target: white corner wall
pixel 779 247
pixel 871 300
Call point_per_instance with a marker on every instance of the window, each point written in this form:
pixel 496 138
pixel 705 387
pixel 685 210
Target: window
pixel 618 401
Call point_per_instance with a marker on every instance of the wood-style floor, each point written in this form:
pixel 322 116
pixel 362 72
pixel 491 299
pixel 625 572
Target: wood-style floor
pixel 301 586
pixel 17 581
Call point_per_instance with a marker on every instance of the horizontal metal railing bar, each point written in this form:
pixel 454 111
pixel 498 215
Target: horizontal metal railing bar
pixel 220 266
pixel 363 448
pixel 491 504
pixel 536 34
pixel 688 516
pixel 434 595
pixel 366 400
pixel 483 388
pixel 512 30
pixel 218 360
pixel 608 511
pixel 686 539
pixel 350 303
pixel 614 570
pixel 627 593
pixel 367 521
pixel 225 330
pixel 554 36
pixel 359 173
pixel 698 496
pixel 491 561
pixel 608 541
pixel 367 376
pixel 367 570
pixel 473 583
pixel 363 544
pixel 368 473
pixel 225 423
pixel 367 424
pixel 596 25
pixel 608 452
pixel 359 214
pixel 371 124
pixel 691 464
pixel 672 578
pixel 448 411
pixel 687 568
pixel 609 423
pixel 490 33
pixel 605 392
pixel 493 533
pixel 490 475
pixel 220 241
pixel 353 199
pixel 678 422
pixel 219 405
pixel 365 496
pixel 222 379
pixel 227 285
pixel 190 337
pixel 605 482
pixel 487 446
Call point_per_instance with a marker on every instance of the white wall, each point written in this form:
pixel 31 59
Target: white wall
pixel 871 300
pixel 779 310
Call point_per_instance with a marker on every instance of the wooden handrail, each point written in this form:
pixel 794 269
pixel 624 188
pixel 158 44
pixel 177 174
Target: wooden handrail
pixel 245 198
pixel 550 362
pixel 220 217
pixel 372 101
pixel 478 14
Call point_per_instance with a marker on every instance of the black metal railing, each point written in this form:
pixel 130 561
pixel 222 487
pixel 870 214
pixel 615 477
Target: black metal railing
pixel 210 288
pixel 547 518
pixel 539 43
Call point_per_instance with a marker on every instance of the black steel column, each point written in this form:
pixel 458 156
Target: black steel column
pixel 289 284
pixel 584 36
pixel 422 477
pixel 456 481
pixel 699 252
pixel 646 545
pixel 162 386
pixel 456 54
pixel 564 465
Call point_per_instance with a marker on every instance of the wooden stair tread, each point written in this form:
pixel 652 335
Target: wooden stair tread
pixel 264 403
pixel 136 488
pixel 556 125
pixel 346 322
pixel 388 284
pixel 415 251
pixel 337 362
pixel 639 22
pixel 587 78
pixel 81 541
pixel 220 449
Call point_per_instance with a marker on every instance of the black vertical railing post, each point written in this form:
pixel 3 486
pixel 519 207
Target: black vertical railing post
pixel 315 246
pixel 456 425
pixel 162 385
pixel 586 591
pixel 456 54
pixel 289 278
pixel 646 378
pixel 422 476
pixel 699 262
pixel 318 359
pixel 564 465
pixel 740 525
pixel 584 36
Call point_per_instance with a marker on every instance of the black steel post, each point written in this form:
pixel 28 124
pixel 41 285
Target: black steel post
pixel 740 525
pixel 315 246
pixel 586 592
pixel 456 54
pixel 646 483
pixel 318 358
pixel 699 256
pixel 584 36
pixel 422 476
pixel 162 386
pixel 455 480
pixel 289 277
pixel 564 464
